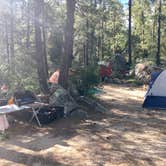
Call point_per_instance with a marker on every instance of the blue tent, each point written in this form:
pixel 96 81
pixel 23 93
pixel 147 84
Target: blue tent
pixel 156 95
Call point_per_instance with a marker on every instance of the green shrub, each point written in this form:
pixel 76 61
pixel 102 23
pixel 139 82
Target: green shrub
pixel 86 78
pixel 119 66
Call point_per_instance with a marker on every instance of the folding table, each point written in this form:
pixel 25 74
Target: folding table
pixel 6 110
pixel 35 107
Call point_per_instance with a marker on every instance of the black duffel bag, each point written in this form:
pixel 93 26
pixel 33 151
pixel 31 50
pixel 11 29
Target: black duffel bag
pixel 59 111
pixel 47 115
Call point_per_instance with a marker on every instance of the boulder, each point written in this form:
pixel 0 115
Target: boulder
pixel 117 80
pixel 73 90
pixel 79 114
pixel 142 72
pixel 61 97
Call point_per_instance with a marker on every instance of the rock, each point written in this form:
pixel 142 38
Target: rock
pixel 142 72
pixel 117 81
pixel 73 90
pixel 69 106
pixel 110 80
pixel 79 114
pixel 61 97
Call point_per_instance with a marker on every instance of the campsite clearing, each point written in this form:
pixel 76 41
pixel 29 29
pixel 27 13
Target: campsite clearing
pixel 124 136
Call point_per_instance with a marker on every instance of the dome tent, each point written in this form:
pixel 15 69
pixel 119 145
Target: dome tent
pixel 156 95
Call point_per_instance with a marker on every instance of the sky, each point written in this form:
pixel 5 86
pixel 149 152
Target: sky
pixel 124 2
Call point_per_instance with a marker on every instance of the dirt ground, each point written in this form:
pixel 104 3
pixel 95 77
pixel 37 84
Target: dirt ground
pixel 125 135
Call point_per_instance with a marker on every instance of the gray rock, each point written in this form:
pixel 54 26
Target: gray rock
pixel 117 81
pixel 79 114
pixel 142 72
pixel 73 90
pixel 69 106
pixel 61 97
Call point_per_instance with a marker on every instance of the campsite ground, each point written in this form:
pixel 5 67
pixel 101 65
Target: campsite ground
pixel 124 136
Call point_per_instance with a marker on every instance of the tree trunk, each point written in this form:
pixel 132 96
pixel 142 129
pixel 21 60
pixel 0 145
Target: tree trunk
pixel 66 60
pixel 129 35
pixel 7 43
pixel 87 43
pixel 44 39
pixel 39 49
pixel 12 35
pixel 85 58
pixel 114 30
pixel 98 47
pixel 143 32
pixel 158 34
pixel 154 26
pixel 28 26
pixel 102 39
pixel 45 52
pixel 92 32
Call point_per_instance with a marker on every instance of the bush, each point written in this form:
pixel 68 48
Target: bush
pixel 119 66
pixel 86 78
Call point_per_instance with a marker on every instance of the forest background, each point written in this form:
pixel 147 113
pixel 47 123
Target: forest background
pixel 39 36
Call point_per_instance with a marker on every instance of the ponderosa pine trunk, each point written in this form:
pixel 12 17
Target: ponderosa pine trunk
pixel 66 60
pixel 158 34
pixel 44 39
pixel 12 35
pixel 129 36
pixel 7 42
pixel 28 26
pixel 39 47
pixel 87 43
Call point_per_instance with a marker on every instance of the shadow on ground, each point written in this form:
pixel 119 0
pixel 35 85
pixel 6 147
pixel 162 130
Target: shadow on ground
pixel 125 135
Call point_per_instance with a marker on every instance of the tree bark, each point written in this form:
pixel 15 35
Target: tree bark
pixel 87 43
pixel 44 39
pixel 39 48
pixel 12 35
pixel 66 60
pixel 28 26
pixel 158 34
pixel 92 32
pixel 102 39
pixel 84 54
pixel 7 43
pixel 129 36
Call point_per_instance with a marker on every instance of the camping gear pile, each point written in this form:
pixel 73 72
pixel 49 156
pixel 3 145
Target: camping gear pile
pixel 46 112
pixel 25 100
pixel 60 104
